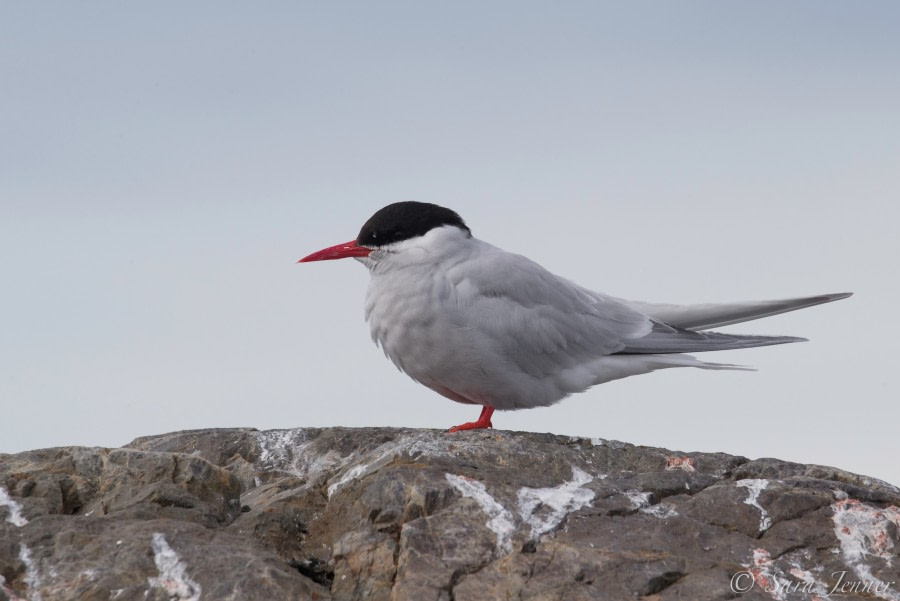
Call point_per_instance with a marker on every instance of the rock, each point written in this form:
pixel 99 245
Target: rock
pixel 395 514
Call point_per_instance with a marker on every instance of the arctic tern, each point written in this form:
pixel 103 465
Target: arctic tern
pixel 483 326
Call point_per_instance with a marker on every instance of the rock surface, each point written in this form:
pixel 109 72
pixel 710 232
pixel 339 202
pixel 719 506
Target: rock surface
pixel 393 514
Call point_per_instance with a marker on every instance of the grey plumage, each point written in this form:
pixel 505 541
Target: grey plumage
pixel 483 326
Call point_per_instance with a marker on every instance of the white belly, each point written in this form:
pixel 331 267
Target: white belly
pixel 420 323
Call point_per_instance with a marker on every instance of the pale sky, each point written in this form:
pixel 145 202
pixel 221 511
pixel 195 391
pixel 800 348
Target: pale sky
pixel 163 166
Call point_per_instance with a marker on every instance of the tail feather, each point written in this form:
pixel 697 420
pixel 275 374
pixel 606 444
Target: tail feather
pixel 616 367
pixel 707 316
pixel 687 341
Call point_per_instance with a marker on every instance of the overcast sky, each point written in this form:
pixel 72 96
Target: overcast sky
pixel 163 165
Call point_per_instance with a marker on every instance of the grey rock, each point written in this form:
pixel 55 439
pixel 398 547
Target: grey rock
pixel 398 514
pixel 153 484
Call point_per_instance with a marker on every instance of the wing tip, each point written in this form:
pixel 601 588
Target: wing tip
pixel 837 296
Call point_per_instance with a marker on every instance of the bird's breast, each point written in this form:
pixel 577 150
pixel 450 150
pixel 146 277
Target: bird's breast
pixel 422 327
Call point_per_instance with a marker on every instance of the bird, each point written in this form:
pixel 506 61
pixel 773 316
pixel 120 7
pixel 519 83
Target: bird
pixel 483 326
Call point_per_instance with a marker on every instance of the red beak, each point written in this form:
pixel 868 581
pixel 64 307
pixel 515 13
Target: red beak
pixel 338 251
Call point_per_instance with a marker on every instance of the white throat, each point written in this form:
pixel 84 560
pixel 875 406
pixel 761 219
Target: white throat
pixel 431 249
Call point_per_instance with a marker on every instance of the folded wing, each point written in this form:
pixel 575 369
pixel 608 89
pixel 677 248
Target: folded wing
pixel 536 320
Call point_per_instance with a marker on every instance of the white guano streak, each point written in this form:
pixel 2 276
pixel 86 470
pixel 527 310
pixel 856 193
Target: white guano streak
pixel 641 501
pixel 561 500
pixel 755 486
pixel 32 574
pixel 382 455
pixel 14 515
pixel 173 578
pixel 865 531
pixel 501 520
pixel 767 575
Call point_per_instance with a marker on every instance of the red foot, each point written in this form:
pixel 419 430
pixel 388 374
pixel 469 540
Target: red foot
pixel 484 421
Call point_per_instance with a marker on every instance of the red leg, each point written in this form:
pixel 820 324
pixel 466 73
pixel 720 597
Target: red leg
pixel 484 421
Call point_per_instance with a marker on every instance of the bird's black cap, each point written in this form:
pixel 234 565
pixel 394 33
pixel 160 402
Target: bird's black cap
pixel 405 220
